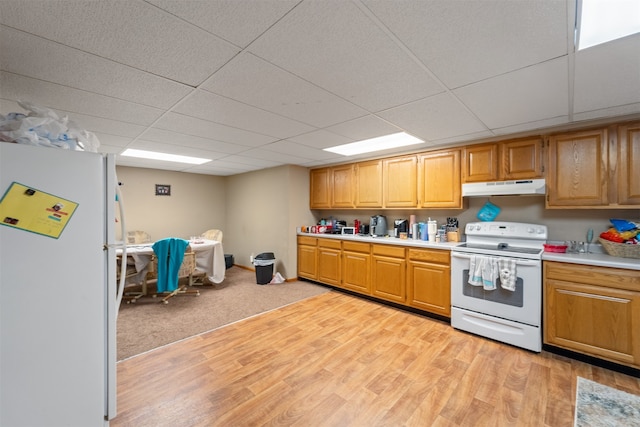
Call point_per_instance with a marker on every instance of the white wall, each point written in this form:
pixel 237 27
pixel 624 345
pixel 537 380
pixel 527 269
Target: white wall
pixel 263 210
pixel 196 204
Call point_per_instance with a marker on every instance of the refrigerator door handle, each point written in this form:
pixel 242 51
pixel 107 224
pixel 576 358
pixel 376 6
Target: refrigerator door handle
pixel 123 264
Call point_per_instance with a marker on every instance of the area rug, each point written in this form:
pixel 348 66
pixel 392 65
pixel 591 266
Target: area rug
pixel 148 324
pixel 599 405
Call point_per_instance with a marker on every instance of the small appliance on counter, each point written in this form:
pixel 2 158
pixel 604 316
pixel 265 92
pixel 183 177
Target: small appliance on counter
pixel 400 226
pixel 378 226
pixel 363 229
pixel 338 225
pixel 349 230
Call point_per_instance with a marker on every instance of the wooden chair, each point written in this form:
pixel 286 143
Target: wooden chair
pixel 164 272
pixel 137 237
pixel 212 234
pixel 130 273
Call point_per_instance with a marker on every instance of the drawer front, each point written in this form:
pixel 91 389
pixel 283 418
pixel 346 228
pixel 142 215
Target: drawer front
pixel 593 275
pixel 309 241
pixel 437 256
pixel 355 246
pixel 330 243
pixel 388 250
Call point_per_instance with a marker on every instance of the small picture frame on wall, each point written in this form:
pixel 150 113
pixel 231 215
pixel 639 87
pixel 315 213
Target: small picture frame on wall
pixel 163 190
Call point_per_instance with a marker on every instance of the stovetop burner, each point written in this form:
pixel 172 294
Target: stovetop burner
pixel 504 239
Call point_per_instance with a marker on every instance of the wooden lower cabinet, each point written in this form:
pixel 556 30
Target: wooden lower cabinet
pixel 593 310
pixel 414 277
pixel 356 267
pixel 308 257
pixel 330 261
pixel 388 272
pixel 429 280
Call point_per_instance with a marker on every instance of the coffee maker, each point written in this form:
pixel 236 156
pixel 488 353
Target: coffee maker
pixel 400 226
pixel 378 226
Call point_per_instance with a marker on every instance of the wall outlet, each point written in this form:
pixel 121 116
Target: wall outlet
pixel 251 258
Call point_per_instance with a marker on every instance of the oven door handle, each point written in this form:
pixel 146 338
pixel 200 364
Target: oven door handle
pixel 519 261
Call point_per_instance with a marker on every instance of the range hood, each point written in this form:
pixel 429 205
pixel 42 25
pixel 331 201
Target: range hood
pixel 531 187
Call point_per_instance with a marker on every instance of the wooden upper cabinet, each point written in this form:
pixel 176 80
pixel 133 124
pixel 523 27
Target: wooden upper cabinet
pixel 368 184
pixel 400 182
pixel 628 164
pixel 319 188
pixel 480 163
pixel 578 169
pixel 439 180
pixel 521 159
pixel 343 184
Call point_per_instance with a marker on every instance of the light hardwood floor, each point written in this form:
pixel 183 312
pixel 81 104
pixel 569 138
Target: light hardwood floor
pixel 339 360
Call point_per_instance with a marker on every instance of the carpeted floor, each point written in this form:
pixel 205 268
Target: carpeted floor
pixel 148 324
pixel 598 405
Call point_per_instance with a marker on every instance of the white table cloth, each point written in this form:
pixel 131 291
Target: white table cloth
pixel 209 257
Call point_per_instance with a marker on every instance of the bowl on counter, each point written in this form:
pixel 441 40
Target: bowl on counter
pixel 557 247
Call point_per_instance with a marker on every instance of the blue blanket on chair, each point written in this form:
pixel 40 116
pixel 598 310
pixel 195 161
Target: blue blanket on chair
pixel 170 253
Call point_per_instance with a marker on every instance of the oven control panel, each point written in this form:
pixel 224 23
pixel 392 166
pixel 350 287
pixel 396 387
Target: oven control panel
pixel 517 230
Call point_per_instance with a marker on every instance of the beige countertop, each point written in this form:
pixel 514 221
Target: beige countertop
pixel 598 257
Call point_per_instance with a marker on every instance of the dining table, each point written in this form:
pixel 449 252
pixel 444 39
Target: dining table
pixel 209 256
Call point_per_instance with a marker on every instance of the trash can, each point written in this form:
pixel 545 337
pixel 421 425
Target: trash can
pixel 228 261
pixel 264 267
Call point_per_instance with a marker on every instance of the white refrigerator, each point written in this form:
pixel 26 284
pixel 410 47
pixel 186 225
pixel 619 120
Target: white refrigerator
pixel 57 287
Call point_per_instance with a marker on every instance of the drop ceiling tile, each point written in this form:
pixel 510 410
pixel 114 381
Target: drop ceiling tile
pixel 215 108
pixel 35 57
pixel 320 139
pixel 102 125
pixel 364 128
pixel 466 41
pixel 623 110
pixel 225 164
pixel 474 136
pixel 607 75
pixel 299 150
pixel 112 140
pixel 58 97
pixel 532 94
pixel 188 125
pixel 148 164
pixel 134 33
pixel 525 127
pixel 281 158
pixel 251 80
pixel 109 149
pixel 239 22
pixel 334 45
pixel 168 137
pixel 163 147
pixel 249 161
pixel 437 117
pixel 216 170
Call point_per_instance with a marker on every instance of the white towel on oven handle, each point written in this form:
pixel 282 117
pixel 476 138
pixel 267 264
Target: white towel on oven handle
pixel 489 273
pixel 475 270
pixel 508 273
pixel 483 271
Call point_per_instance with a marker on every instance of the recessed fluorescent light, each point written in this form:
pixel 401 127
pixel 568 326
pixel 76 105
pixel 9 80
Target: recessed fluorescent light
pixel 380 143
pixel 153 155
pixel 600 21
